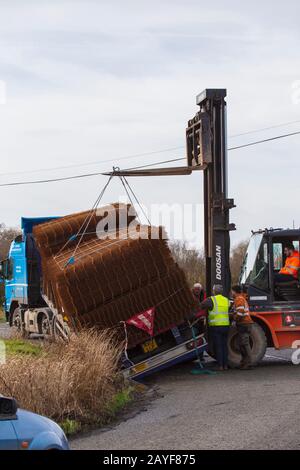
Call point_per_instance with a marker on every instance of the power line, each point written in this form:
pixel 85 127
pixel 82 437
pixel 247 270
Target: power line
pixel 96 162
pixel 87 175
pixel 230 148
pixel 153 164
pixel 137 155
pixel 264 140
pixel 51 180
pixel 265 129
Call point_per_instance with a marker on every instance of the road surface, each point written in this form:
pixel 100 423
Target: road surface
pixel 257 409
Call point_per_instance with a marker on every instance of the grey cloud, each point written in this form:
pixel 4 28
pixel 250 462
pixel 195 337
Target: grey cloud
pixel 95 79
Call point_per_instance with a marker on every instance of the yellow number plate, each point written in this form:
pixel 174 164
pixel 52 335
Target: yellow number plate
pixel 150 346
pixel 139 368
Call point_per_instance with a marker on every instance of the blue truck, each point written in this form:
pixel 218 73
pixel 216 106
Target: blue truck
pixel 29 311
pixel 25 306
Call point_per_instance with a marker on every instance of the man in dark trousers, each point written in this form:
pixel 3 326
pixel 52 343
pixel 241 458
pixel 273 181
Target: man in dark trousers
pixel 244 324
pixel 217 307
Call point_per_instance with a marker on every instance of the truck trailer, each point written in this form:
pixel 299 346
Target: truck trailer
pixel 50 290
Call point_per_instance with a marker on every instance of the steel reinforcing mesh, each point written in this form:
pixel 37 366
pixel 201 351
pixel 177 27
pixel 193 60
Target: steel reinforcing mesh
pixel 111 280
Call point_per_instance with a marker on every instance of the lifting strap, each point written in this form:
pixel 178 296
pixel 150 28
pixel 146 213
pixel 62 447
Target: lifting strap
pixel 84 226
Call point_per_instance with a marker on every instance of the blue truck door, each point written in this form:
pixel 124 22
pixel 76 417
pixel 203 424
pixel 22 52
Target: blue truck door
pixel 16 286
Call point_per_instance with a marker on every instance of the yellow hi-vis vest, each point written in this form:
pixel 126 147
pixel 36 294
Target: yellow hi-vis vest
pixel 219 316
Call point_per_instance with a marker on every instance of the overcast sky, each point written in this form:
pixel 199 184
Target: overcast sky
pixel 95 80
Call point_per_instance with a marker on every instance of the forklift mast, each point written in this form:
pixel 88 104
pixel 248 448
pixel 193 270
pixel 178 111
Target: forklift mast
pixel 206 141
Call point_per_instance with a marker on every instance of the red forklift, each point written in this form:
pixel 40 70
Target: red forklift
pixel 274 309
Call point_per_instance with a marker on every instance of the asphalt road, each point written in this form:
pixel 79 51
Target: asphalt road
pixel 257 409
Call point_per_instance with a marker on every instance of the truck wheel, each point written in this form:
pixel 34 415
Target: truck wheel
pixel 17 323
pixel 258 343
pixel 44 325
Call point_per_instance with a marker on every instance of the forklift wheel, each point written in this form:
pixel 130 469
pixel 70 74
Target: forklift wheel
pixel 258 343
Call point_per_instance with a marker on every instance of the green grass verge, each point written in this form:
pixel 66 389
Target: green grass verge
pixel 117 404
pixel 70 426
pixel 120 400
pixel 23 347
pixel 2 317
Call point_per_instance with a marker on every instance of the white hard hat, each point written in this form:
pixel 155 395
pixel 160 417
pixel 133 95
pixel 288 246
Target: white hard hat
pixel 197 285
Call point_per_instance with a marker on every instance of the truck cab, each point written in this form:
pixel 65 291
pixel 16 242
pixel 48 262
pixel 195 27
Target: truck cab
pixel 21 272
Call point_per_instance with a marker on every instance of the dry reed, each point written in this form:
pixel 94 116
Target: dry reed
pixel 77 380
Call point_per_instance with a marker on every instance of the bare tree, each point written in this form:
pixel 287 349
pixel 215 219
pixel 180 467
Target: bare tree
pixel 192 261
pixel 236 260
pixel 7 234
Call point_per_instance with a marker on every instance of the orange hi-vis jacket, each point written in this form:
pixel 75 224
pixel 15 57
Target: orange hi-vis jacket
pixel 292 265
pixel 241 310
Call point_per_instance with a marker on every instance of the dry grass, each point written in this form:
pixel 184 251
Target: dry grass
pixel 2 316
pixel 75 381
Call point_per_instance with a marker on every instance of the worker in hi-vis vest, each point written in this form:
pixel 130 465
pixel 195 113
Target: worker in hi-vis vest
pixel 289 272
pixel 217 307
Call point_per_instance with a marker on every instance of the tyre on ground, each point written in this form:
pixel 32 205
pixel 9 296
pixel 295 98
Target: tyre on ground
pixel 17 323
pixel 258 343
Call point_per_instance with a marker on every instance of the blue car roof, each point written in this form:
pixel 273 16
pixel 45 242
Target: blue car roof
pixel 27 223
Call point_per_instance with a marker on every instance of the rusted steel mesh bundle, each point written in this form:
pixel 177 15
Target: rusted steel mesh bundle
pixel 110 280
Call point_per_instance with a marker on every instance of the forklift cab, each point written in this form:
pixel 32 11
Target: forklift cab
pixel 264 258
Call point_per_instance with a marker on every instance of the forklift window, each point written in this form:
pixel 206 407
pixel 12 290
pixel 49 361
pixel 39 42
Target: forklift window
pixel 250 257
pixel 288 290
pixel 277 256
pixel 259 275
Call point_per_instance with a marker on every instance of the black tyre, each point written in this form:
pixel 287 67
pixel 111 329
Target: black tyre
pixel 258 343
pixel 17 322
pixel 44 325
